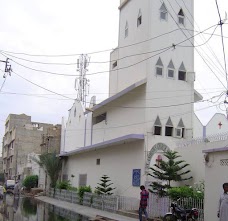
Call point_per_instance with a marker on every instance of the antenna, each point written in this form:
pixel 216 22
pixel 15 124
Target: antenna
pixel 82 83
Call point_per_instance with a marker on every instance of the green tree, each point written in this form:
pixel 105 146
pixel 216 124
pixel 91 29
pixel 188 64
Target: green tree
pixel 168 170
pixel 105 186
pixel 52 165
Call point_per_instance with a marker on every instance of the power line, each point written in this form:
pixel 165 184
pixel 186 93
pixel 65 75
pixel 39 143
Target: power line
pixel 42 86
pixel 223 47
pixel 164 118
pixel 121 68
pixel 95 52
pixel 193 44
pixel 202 37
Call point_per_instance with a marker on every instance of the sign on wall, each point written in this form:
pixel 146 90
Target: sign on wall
pixel 136 177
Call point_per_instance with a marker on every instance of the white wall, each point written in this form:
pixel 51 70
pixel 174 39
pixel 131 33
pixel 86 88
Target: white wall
pixel 198 127
pixel 212 126
pixel 194 156
pixel 75 128
pixel 117 162
pixel 216 175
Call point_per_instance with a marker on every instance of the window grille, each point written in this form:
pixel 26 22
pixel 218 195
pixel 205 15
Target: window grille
pixel 224 162
pixel 82 179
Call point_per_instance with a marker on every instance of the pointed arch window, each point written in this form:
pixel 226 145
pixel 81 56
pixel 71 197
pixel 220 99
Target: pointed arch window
pixel 180 130
pixel 139 19
pixel 182 73
pixel 157 126
pixel 126 30
pixel 181 17
pixel 169 128
pixel 171 70
pixel 159 67
pixel 163 12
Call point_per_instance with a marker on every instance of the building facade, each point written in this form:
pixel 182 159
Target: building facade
pixel 150 104
pixel 22 137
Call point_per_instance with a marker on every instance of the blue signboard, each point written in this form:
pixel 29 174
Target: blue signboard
pixel 136 177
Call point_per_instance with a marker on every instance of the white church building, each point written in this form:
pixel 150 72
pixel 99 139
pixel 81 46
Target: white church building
pixel 151 104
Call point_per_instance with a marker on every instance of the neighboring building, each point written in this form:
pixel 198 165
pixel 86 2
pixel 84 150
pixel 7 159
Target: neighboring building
pixel 22 136
pixel 216 174
pixel 218 124
pixel 1 165
pixel 51 140
pixel 150 107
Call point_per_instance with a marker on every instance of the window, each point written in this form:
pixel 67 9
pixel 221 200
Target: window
pixel 98 161
pixel 169 128
pixel 159 67
pixel 82 180
pixel 181 17
pixel 75 112
pixel 182 73
pixel 114 65
pixel 139 19
pixel 179 131
pixel 99 118
pixel 163 12
pixel 126 30
pixel 65 177
pixel 157 126
pixel 171 70
pixel 35 125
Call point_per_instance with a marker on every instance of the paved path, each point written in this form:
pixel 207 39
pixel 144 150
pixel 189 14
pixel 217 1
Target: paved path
pixel 84 210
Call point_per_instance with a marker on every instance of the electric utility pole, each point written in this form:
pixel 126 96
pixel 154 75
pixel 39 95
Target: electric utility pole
pixel 82 83
pixel 8 68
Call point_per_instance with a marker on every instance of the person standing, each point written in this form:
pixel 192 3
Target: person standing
pixel 223 204
pixel 144 195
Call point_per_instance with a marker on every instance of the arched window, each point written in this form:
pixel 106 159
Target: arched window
pixel 180 131
pixel 163 12
pixel 181 17
pixel 169 128
pixel 126 30
pixel 171 70
pixel 159 67
pixel 139 19
pixel 157 126
pixel 182 73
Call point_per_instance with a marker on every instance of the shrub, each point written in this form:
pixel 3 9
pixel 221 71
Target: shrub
pixel 185 192
pixel 64 185
pixel 82 190
pixel 30 182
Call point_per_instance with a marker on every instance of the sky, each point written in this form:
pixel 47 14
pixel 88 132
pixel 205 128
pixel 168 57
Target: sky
pixel 74 27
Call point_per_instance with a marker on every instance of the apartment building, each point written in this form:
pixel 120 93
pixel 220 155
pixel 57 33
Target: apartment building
pixel 22 136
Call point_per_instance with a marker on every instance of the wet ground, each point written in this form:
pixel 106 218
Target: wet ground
pixel 29 209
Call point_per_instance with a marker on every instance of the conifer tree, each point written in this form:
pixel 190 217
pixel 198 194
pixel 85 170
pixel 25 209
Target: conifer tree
pixel 168 170
pixel 105 186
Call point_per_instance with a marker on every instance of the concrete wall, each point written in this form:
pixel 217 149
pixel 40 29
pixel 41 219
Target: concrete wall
pixel 75 128
pixel 194 156
pixel 213 127
pixel 117 162
pixel 216 175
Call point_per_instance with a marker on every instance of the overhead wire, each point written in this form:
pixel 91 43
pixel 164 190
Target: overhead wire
pixel 223 46
pixel 121 68
pixel 4 81
pixel 42 86
pixel 202 37
pixel 193 44
pixel 95 52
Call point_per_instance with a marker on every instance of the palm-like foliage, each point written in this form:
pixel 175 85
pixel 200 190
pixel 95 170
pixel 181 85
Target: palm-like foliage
pixel 52 165
pixel 170 170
